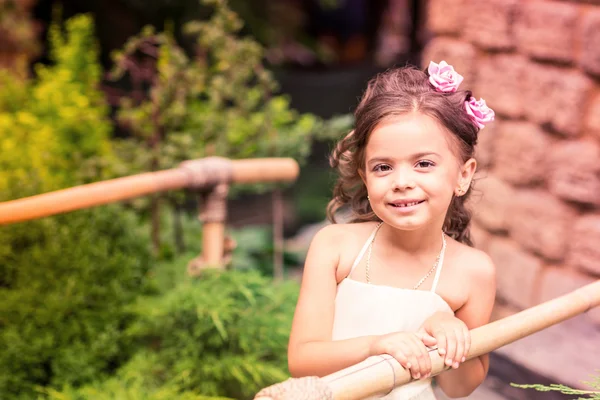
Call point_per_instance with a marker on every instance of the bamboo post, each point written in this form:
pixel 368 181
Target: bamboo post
pixel 213 241
pixel 377 375
pixel 191 174
pixel 213 214
pixel 277 203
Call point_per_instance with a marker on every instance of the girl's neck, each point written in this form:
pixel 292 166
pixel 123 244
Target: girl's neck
pixel 418 241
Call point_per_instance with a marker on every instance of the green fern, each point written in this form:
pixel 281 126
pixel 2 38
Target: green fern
pixel 591 394
pixel 221 336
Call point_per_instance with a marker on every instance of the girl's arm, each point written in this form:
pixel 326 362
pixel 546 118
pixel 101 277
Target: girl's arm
pixel 311 352
pixel 475 312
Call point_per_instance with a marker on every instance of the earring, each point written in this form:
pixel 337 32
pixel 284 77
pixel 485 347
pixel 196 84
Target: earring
pixel 461 191
pixel 368 198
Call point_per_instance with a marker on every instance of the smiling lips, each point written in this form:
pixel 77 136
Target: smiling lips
pixel 406 203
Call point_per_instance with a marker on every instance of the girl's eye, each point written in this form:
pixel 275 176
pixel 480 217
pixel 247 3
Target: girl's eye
pixel 382 168
pixel 425 164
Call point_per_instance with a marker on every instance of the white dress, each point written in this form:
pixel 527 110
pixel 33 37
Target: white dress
pixel 363 309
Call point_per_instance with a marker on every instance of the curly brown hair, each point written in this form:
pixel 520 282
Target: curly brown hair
pixel 393 93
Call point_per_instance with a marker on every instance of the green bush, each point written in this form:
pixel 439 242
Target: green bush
pixel 65 280
pixel 223 335
pixel 54 128
pixel 72 324
pixel 64 285
pixel 254 250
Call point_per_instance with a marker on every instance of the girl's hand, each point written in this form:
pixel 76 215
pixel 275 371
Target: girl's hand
pixel 452 336
pixel 408 348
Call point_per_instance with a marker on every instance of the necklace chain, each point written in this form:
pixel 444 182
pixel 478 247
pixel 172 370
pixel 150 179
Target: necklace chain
pixel 435 264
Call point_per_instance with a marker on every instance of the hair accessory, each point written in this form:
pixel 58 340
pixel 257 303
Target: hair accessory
pixel 480 113
pixel 443 77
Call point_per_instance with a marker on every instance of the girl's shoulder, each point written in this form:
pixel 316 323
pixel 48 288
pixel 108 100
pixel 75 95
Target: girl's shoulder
pixel 346 234
pixel 472 262
pixel 331 246
pixel 467 273
pixel 343 240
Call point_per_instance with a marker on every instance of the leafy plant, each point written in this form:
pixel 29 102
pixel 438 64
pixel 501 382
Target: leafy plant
pixel 218 102
pixel 64 284
pixel 590 394
pixel 224 335
pixel 54 129
pixel 255 250
pixel 64 280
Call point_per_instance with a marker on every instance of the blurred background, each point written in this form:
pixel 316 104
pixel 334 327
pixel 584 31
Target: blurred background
pixel 101 304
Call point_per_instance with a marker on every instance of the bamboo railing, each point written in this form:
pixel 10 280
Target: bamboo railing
pixel 377 375
pixel 210 177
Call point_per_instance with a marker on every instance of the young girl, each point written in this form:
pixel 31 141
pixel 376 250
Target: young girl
pixel 402 276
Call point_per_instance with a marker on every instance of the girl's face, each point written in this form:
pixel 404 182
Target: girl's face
pixel 411 171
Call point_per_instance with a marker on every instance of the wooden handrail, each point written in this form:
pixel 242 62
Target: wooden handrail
pixel 376 375
pixel 202 173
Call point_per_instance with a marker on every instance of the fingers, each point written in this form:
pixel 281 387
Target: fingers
pixel 452 337
pixel 412 354
pixel 423 366
pixel 458 344
pixel 427 339
pixel 460 347
pixel 402 358
pixel 411 361
pixel 467 334
pixel 450 348
pixel 441 343
pixel 408 360
pixel 424 360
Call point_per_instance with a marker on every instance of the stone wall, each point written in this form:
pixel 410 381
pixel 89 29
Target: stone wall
pixel 537 203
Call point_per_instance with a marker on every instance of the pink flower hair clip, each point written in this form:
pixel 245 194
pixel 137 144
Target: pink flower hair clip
pixel 479 112
pixel 445 79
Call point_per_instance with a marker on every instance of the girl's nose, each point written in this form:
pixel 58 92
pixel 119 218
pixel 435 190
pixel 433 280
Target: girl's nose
pixel 404 180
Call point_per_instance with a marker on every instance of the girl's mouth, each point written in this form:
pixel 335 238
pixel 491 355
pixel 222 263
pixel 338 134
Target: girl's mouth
pixel 406 204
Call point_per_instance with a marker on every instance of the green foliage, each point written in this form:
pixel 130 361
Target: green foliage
pixel 64 285
pixel 223 335
pixel 68 329
pixel 280 26
pixel 220 102
pixel 590 394
pixel 65 280
pixel 130 383
pixel 254 250
pixel 311 194
pixel 54 129
pixel 217 102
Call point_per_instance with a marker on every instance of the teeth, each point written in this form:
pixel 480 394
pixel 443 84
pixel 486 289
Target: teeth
pixel 414 203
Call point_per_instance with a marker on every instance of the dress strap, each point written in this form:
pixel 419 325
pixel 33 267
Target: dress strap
pixel 439 267
pixel 364 248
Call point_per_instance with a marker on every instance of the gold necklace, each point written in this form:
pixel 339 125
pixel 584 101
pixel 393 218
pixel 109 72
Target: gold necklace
pixel 435 264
